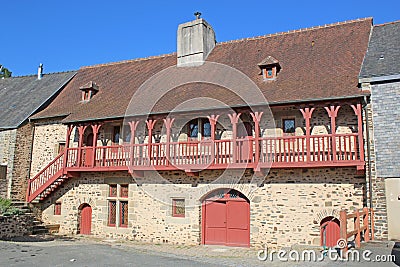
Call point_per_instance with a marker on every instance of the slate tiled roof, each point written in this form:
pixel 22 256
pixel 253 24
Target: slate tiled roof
pixel 383 55
pixel 316 63
pixel 20 97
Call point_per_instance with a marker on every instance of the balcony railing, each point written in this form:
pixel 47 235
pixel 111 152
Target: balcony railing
pixel 287 151
pixel 258 153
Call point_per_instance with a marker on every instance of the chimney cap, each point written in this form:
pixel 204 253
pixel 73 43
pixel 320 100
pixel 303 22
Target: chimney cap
pixel 197 14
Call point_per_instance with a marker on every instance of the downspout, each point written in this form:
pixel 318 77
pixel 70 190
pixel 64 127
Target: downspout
pixel 368 151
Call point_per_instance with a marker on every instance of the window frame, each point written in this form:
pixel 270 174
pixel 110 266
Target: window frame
pixel 121 216
pixel 284 128
pixel 200 122
pixel 110 202
pixel 265 71
pixel 117 202
pixel 174 206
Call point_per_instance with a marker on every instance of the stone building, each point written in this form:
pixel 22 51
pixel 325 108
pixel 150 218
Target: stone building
pixel 380 74
pixel 21 97
pixel 240 143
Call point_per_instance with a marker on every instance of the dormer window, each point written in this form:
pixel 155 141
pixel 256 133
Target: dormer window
pixel 269 68
pixel 89 90
pixel 269 73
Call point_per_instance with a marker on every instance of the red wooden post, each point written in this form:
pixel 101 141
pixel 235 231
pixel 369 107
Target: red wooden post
pixel 95 128
pixel 366 223
pixel 168 124
pixel 150 126
pixel 307 113
pixel 81 130
pixel 332 112
pixel 133 125
pixel 213 122
pixel 372 224
pixel 343 231
pixel 67 140
pixel 357 228
pixel 234 117
pixel 257 118
pixel 358 111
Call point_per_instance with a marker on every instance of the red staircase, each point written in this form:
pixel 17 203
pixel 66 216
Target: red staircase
pixel 47 180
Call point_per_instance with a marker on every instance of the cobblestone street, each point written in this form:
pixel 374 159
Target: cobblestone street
pixel 97 252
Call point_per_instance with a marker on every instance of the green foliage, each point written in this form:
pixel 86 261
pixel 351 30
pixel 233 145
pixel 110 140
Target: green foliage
pixel 6 207
pixel 4 72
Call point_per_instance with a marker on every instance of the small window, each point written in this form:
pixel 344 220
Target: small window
pixel 269 73
pixel 124 191
pixel 123 214
pixel 113 190
pixel 112 213
pixel 3 172
pixel 193 128
pixel 288 126
pixel 206 128
pixel 178 208
pixel 60 147
pixel 57 208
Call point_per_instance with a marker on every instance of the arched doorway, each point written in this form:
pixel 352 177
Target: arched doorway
pixel 85 219
pixel 226 218
pixel 330 231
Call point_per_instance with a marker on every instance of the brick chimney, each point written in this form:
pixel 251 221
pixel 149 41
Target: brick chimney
pixel 196 39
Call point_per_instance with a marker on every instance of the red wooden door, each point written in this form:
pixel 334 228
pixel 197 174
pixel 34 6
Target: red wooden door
pixel 226 221
pixel 238 223
pixel 330 233
pixel 215 223
pixel 86 220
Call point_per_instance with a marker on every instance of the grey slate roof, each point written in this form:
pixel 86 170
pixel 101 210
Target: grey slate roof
pixel 20 97
pixel 383 55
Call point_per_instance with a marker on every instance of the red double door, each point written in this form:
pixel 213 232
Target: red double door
pixel 226 222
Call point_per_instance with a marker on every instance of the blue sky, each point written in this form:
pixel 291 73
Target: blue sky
pixel 65 35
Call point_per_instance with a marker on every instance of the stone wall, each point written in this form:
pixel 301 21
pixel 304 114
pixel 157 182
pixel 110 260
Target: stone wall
pixel 7 147
pixel 46 140
pixel 285 209
pixel 386 116
pixel 386 141
pixel 15 225
pixel 21 166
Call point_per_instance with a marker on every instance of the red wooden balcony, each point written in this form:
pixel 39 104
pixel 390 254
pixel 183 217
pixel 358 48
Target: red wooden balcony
pixel 258 153
pixel 277 152
pixel 274 152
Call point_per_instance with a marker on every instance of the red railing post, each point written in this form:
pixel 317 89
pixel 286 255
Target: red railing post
pixel 357 228
pixel 67 140
pixel 343 231
pixel 366 224
pixel 358 111
pixel 234 117
pixel 95 129
pixel 150 126
pixel 307 113
pixel 372 224
pixel 213 122
pixel 332 112
pixel 168 124
pixel 81 130
pixel 132 125
pixel 257 118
